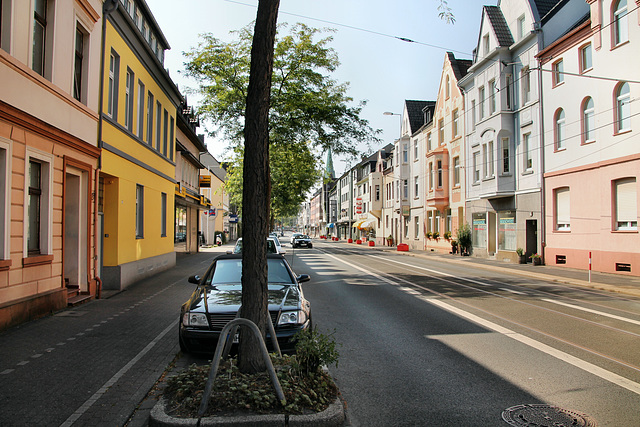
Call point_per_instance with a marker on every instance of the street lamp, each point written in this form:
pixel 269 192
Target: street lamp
pixel 389 113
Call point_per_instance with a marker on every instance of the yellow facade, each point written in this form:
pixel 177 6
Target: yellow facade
pixel 138 169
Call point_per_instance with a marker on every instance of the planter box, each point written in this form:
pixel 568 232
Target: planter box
pixel 403 247
pixel 350 240
pixel 358 242
pixel 372 243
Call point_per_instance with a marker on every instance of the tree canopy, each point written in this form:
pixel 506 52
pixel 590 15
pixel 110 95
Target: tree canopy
pixel 309 111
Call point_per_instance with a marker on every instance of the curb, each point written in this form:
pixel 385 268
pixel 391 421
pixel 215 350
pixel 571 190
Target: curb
pixel 333 416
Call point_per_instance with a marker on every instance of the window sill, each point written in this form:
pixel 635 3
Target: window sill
pixel 625 231
pixel 621 132
pixel 557 84
pixel 5 264
pixel 568 231
pixel 591 141
pixel 620 45
pixel 528 172
pixel 558 150
pixel 35 260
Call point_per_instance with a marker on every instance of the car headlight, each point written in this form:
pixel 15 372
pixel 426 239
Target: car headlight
pixel 292 318
pixel 194 319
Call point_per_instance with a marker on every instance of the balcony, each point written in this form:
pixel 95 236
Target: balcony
pixel 438 187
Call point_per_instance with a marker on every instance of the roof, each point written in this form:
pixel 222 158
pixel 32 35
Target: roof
pixel 545 6
pixel 459 66
pixel 416 116
pixel 499 24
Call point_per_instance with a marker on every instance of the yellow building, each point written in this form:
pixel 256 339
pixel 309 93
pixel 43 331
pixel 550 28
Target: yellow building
pixel 137 136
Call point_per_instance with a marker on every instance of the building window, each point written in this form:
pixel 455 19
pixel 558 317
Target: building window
pixel 454 123
pixel 456 171
pixel 448 87
pixel 112 94
pixel 473 114
pixel 405 153
pixel 416 187
pixel 505 156
pixel 128 100
pixel 429 142
pixel 138 19
pixel 439 171
pixel 440 131
pixel 415 150
pixel 140 125
pixel 492 97
pixel 436 221
pixel 562 211
pixel 588 121
pixel 5 201
pixel 79 66
pixel 377 193
pixel 40 37
pixel 171 126
pixel 416 226
pixel 507 235
pixel 405 189
pixel 5 25
pixel 586 59
pixel 526 152
pixel 430 176
pixel 150 103
pixel 490 160
pixel 521 28
pixel 626 204
pixel 37 204
pixel 485 44
pixel 558 72
pixel 623 108
pixel 158 126
pixel 139 211
pixel 559 133
pixel 620 26
pixel 525 78
pixel 165 135
pixel 508 95
pixel 481 101
pixel 476 167
pixel 163 214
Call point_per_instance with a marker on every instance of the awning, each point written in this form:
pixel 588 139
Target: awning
pixel 370 223
pixel 331 225
pixel 357 223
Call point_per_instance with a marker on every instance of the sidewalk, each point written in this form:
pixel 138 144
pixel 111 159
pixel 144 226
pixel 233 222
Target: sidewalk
pixel 616 283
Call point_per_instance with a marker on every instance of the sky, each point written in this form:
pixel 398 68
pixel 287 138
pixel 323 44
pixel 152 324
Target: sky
pixel 379 67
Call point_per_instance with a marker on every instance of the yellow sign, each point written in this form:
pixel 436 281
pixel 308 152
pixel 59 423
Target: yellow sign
pixel 205 181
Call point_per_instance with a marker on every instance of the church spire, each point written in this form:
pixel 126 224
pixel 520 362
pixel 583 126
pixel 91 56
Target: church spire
pixel 329 172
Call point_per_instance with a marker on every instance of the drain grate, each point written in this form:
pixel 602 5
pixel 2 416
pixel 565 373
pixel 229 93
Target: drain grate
pixel 545 416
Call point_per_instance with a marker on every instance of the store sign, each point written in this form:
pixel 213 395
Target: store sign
pixel 212 212
pixel 359 205
pixel 205 181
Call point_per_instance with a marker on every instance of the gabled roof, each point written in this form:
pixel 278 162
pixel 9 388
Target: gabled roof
pixel 499 24
pixel 459 66
pixel 416 116
pixel 545 6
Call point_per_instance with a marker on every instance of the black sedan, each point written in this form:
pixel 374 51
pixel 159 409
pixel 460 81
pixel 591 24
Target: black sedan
pixel 302 240
pixel 218 296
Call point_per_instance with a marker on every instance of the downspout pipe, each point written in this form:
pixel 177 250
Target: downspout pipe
pixel 108 7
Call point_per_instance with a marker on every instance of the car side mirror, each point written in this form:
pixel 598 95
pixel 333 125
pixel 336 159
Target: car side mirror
pixel 229 251
pixel 194 279
pixel 303 278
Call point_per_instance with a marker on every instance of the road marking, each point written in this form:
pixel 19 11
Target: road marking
pixel 514 292
pixel 588 310
pixel 560 355
pixel 98 394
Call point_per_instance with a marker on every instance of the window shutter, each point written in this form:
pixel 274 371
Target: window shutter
pixel 626 200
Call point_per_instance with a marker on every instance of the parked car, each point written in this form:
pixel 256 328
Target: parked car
pixel 302 240
pixel 293 236
pixel 218 296
pixel 273 247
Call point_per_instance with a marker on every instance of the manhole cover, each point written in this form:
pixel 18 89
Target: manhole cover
pixel 545 416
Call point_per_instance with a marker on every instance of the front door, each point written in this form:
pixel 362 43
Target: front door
pixel 532 237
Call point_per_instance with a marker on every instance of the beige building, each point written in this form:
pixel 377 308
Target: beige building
pixel 49 69
pixel 444 177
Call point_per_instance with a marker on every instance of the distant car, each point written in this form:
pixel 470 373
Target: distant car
pixel 218 296
pixel 293 236
pixel 302 240
pixel 273 247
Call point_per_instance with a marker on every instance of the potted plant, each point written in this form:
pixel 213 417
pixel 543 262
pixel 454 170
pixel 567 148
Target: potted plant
pixel 436 235
pixel 454 247
pixel 390 240
pixel 522 259
pixel 536 259
pixel 447 235
pixel 429 234
pixel 464 239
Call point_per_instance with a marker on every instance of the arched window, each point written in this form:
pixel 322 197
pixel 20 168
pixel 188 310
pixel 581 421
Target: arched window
pixel 588 120
pixel 559 129
pixel 620 26
pixel 623 108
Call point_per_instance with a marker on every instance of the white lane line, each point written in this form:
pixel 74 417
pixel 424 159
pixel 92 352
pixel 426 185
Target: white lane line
pixel 513 292
pixel 560 355
pixel 588 310
pixel 98 394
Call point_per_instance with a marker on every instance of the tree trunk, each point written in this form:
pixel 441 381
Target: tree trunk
pixel 257 185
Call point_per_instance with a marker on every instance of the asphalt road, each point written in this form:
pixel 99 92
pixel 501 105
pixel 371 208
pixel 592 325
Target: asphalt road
pixel 426 343
pixel 423 343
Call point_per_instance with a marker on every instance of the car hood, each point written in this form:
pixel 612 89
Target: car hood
pixel 228 298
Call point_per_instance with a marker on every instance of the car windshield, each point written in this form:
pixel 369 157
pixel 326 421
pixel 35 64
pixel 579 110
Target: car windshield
pixel 229 271
pixel 271 247
pixel 302 236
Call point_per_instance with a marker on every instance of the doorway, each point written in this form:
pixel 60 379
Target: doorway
pixel 532 237
pixel 75 229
